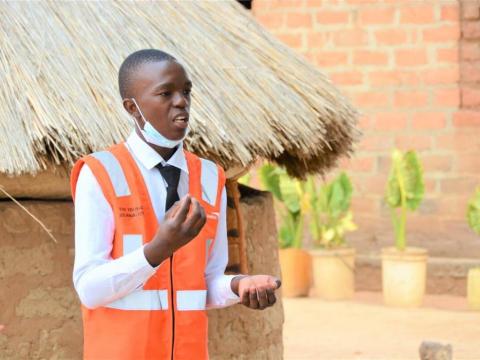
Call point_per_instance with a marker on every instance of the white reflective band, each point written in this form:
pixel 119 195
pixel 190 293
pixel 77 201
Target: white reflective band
pixel 209 181
pixel 142 300
pixel 131 242
pixel 114 170
pixel 191 300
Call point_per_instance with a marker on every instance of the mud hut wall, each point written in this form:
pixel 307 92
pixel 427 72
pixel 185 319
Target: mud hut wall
pixel 40 309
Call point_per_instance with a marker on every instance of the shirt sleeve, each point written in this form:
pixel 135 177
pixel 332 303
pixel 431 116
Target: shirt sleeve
pixel 219 290
pixel 99 279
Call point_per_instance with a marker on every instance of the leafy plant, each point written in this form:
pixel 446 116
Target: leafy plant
pixel 330 209
pixel 473 212
pixel 245 179
pixel 405 190
pixel 291 193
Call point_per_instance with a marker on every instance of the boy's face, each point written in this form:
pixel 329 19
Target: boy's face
pixel 162 91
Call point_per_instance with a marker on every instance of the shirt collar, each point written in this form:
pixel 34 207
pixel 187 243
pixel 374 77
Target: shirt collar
pixel 150 158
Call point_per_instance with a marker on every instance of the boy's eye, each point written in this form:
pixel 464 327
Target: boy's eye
pixel 187 91
pixel 165 93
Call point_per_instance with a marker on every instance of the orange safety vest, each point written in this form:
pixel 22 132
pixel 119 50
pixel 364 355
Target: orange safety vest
pixel 166 318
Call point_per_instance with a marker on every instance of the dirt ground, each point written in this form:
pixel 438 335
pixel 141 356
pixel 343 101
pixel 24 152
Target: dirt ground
pixel 365 329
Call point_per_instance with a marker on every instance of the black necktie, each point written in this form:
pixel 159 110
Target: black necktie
pixel 171 174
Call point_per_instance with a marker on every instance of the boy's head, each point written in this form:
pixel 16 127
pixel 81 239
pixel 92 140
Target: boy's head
pixel 155 84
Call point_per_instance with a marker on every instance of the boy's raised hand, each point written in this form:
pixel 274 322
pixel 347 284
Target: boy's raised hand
pixel 182 223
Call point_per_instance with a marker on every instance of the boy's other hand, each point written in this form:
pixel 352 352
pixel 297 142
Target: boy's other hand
pixel 256 291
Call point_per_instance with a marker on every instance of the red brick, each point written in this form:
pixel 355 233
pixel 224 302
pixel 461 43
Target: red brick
pixel 356 37
pixel 316 40
pixel 470 96
pixel 441 34
pixel 327 17
pixel 374 185
pixel 372 99
pixel 359 163
pixel 394 78
pixel 461 185
pixel 390 36
pixel 271 20
pixel 470 10
pixel 414 142
pixel 428 121
pixel 410 98
pixel 347 78
pixel 447 97
pixel 450 13
pixel 376 15
pixel 376 143
pixel 276 4
pixel 331 58
pixel 430 188
pixel 458 142
pixel 365 122
pixel 470 71
pixel 469 164
pixel 314 3
pixel 299 20
pixel 411 57
pixel 467 118
pixel 434 163
pixel 362 204
pixel 449 55
pixel 441 76
pixel 390 121
pixel 366 57
pixel 451 206
pixel 292 40
pixel 412 14
pixel 471 30
pixel 470 51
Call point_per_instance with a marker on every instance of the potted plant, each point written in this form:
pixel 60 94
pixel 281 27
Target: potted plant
pixel 295 262
pixel 333 260
pixel 404 268
pixel 473 279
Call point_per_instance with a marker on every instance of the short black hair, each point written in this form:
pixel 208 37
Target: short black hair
pixel 133 62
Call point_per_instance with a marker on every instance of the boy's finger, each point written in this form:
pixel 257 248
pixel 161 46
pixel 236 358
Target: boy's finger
pixel 182 212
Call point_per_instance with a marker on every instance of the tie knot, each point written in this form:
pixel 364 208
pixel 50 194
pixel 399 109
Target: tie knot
pixel 171 174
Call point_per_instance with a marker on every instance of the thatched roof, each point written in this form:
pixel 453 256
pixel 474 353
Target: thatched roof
pixel 252 97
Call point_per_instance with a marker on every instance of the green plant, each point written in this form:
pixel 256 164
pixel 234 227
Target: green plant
pixel 473 212
pixel 405 191
pixel 330 209
pixel 291 193
pixel 245 179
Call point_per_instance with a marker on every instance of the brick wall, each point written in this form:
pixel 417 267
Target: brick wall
pixel 399 63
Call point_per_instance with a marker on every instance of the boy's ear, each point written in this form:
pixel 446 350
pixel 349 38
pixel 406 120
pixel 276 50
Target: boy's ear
pixel 130 107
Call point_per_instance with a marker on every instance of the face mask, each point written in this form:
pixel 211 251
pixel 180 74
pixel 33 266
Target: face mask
pixel 152 135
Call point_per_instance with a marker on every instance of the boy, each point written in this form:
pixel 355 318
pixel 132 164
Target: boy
pixel 147 263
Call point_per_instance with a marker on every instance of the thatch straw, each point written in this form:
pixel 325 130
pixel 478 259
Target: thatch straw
pixel 252 96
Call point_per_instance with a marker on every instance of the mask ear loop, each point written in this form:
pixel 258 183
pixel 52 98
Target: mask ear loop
pixel 141 114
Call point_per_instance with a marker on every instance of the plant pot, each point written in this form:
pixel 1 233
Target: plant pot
pixel 296 266
pixel 404 276
pixel 334 273
pixel 473 288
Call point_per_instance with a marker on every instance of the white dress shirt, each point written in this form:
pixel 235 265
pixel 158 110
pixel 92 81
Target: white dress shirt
pixel 99 279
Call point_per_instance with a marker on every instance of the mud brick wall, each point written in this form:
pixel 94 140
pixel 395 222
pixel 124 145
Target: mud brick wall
pixel 413 70
pixel 40 309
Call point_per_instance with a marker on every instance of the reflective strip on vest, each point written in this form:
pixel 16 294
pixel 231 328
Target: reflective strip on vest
pixel 114 170
pixel 191 300
pixel 209 181
pixel 142 300
pixel 131 242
